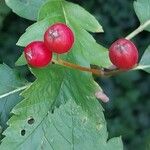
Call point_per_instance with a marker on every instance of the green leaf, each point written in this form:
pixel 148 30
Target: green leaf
pixel 142 9
pixel 87 50
pixel 25 8
pixel 67 128
pixel 36 31
pixel 10 85
pixel 1 130
pixel 34 125
pixel 54 86
pixel 4 10
pixel 85 46
pixel 71 12
pixel 21 61
pixel 145 61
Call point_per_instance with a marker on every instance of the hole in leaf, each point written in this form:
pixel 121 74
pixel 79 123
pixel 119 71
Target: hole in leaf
pixel 31 120
pixel 52 111
pixel 23 132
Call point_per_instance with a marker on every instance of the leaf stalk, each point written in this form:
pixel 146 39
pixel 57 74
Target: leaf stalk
pixel 138 30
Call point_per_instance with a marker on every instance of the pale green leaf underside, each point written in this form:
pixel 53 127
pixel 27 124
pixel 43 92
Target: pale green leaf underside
pixel 142 9
pixel 145 61
pixel 9 82
pixel 25 8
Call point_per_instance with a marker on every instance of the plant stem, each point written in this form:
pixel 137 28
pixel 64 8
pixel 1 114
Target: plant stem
pixel 15 91
pixel 99 72
pixel 138 30
pixel 78 67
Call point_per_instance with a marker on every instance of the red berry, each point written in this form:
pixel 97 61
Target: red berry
pixel 123 54
pixel 37 54
pixel 59 38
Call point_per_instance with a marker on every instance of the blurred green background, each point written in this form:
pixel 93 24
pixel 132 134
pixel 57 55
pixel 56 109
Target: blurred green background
pixel 128 112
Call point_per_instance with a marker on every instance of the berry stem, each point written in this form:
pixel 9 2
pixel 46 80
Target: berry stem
pixel 78 67
pixel 138 30
pixel 103 72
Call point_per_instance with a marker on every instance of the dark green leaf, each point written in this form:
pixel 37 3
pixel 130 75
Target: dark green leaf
pixel 10 87
pixel 67 128
pixel 4 10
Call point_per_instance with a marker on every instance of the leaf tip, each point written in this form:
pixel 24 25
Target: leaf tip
pixel 100 29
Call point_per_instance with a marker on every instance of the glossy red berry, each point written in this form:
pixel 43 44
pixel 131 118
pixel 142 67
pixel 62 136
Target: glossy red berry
pixel 59 38
pixel 37 54
pixel 123 54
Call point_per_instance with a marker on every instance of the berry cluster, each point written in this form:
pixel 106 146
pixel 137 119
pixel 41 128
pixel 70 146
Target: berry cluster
pixel 58 38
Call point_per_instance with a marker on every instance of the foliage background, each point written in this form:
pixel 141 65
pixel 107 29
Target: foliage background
pixel 128 112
